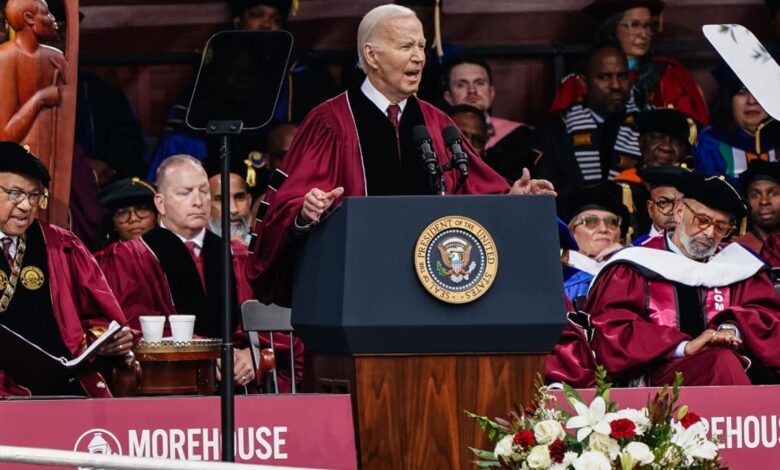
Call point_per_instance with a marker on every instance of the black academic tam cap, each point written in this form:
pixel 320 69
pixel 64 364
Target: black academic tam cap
pixel 238 7
pixel 247 168
pixel 669 122
pixel 601 197
pixel 667 175
pixel 714 192
pixel 16 159
pixel 605 8
pixel 127 192
pixel 759 170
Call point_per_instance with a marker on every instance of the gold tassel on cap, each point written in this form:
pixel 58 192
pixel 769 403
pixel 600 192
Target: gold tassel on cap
pixel 437 29
pixel 251 174
pixel 758 135
pixel 294 7
pixel 693 132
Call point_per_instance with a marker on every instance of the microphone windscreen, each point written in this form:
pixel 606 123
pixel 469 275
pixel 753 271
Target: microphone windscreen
pixel 450 134
pixel 420 133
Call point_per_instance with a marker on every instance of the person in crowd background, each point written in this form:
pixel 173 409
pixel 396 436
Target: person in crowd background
pixel 760 185
pixel 130 209
pixel 591 141
pixel 508 150
pixel 471 123
pixel 738 133
pixel 657 82
pixel 652 307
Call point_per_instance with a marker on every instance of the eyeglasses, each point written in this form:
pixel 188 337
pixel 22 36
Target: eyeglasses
pixel 16 196
pixel 123 215
pixel 612 222
pixel 636 27
pixel 665 205
pixel 703 222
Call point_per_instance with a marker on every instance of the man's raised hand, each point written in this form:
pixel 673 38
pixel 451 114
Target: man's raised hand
pixel 525 185
pixel 317 201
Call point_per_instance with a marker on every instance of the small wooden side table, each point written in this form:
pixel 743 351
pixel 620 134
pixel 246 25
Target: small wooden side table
pixel 169 368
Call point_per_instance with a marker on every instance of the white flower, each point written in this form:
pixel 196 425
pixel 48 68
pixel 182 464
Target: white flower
pixel 638 417
pixel 504 449
pixel 546 432
pixel 693 441
pixel 590 460
pixel 539 457
pixel 604 444
pixel 569 458
pixel 589 419
pixel 640 453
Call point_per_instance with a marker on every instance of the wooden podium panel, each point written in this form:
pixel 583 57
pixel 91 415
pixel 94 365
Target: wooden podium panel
pixel 409 409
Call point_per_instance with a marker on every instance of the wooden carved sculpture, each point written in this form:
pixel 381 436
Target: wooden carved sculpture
pixel 37 93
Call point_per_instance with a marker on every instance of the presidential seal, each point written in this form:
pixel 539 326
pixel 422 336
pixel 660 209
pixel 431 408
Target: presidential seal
pixel 456 259
pixel 32 277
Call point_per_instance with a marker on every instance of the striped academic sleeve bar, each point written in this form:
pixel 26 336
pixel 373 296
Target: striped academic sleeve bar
pixel 261 210
pixel 277 179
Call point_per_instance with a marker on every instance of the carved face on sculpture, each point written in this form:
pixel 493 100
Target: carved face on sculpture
pixel 33 14
pixel 16 217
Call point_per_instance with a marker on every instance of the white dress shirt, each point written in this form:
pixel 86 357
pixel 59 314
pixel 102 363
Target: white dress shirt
pixel 379 99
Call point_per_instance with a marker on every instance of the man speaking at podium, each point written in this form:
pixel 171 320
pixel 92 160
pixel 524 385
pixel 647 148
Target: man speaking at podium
pixel 360 143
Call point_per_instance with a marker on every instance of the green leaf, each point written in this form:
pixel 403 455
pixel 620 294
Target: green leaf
pixel 484 454
pixel 483 464
pixel 571 394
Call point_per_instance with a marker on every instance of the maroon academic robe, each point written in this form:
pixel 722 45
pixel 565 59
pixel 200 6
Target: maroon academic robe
pixel 141 286
pixel 770 251
pixel 82 303
pixel 572 361
pixel 635 319
pixel 326 154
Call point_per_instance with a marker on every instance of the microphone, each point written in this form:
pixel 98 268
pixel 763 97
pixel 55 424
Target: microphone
pixel 460 159
pixel 422 139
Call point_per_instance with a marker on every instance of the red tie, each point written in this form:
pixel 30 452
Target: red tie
pixel 7 243
pixel 197 259
pixel 392 112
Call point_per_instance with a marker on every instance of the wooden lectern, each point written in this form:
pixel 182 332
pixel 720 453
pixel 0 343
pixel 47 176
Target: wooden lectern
pixel 412 362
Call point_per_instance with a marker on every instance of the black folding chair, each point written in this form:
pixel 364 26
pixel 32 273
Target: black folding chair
pixel 258 317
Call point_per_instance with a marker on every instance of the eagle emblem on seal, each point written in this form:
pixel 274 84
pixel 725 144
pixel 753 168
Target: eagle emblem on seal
pixel 455 256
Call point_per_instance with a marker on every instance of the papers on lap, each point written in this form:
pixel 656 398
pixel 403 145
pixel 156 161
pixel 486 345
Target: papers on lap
pixel 29 364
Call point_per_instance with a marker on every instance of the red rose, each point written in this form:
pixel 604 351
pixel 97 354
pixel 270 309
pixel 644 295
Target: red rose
pixel 557 450
pixel 524 439
pixel 689 419
pixel 622 428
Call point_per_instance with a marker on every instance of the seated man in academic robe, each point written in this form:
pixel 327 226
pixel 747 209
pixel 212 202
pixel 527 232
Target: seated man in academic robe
pixel 53 293
pixel 684 302
pixel 175 268
pixel 360 144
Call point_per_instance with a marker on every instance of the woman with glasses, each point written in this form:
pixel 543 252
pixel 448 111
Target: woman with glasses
pixel 741 130
pixel 658 82
pixel 131 210
pixel 598 220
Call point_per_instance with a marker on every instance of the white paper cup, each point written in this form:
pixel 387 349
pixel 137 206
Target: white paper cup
pixel 182 327
pixel 152 327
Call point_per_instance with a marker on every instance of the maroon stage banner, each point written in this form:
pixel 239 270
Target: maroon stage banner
pixel 746 420
pixel 285 430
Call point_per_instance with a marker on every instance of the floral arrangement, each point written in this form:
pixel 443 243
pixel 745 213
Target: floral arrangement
pixel 662 435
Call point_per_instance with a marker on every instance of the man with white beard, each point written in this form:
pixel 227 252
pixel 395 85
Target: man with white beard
pixel 685 302
pixel 240 199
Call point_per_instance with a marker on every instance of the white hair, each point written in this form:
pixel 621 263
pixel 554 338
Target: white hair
pixel 171 163
pixel 373 21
